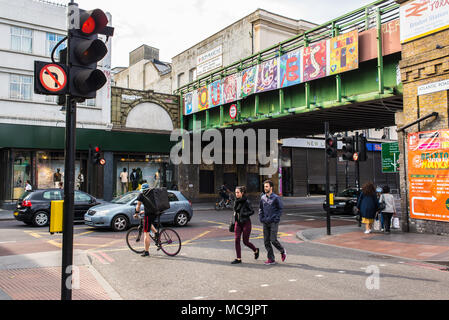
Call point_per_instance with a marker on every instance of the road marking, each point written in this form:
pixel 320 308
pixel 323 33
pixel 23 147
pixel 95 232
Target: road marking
pixel 84 233
pixel 264 285
pixel 104 255
pixel 341 271
pixel 54 243
pixel 33 234
pixel 8 242
pixel 198 298
pixel 195 238
pixel 292 280
pixel 232 291
pixel 319 276
pixel 98 258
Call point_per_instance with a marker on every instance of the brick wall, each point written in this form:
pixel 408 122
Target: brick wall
pixel 423 63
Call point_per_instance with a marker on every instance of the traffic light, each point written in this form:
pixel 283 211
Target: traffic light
pixel 361 148
pixel 97 158
pixel 348 148
pixel 331 146
pixel 85 50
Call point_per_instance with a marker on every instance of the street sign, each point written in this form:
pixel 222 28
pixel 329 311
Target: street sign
pixel 233 111
pixel 355 156
pixel 50 78
pixel 390 157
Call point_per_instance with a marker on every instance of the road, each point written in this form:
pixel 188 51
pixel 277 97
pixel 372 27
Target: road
pixel 202 271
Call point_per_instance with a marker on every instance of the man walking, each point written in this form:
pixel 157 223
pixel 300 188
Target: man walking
pixel 270 211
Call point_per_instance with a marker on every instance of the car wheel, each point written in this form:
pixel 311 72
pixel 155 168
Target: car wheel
pixel 41 219
pixel 119 223
pixel 181 219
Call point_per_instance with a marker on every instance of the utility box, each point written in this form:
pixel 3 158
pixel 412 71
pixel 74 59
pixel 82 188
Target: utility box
pixel 56 216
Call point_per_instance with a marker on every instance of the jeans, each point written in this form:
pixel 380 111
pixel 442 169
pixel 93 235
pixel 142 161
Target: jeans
pixel 246 230
pixel 270 233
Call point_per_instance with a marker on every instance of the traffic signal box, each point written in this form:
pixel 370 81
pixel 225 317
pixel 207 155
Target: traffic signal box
pixel 331 146
pixel 348 148
pixel 85 50
pixel 97 158
pixel 361 148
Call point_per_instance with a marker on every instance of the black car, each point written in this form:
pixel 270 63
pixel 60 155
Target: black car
pixel 344 202
pixel 34 207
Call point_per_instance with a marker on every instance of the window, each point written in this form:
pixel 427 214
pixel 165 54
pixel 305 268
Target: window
pixel 21 39
pixel 180 76
pixel 52 41
pixel 192 75
pixel 88 103
pixel 172 197
pixel 20 87
pixel 81 197
pixel 52 195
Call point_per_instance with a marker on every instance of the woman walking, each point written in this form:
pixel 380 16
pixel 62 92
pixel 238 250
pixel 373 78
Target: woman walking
pixel 390 207
pixel 242 213
pixel 368 205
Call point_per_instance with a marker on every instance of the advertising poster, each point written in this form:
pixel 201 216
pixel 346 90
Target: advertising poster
pixel 268 75
pixel 428 167
pixel 290 69
pixel 249 81
pixel 203 98
pixel 420 18
pixel 215 94
pixel 230 88
pixel 315 60
pixel 191 102
pixel 344 52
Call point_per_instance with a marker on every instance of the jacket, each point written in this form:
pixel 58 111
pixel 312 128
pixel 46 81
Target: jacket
pixel 270 209
pixel 389 203
pixel 242 210
pixel 368 205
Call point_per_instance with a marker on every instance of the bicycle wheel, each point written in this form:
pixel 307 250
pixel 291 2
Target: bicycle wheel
pixel 135 240
pixel 170 242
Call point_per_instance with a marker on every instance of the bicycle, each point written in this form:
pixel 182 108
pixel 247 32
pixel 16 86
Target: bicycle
pixel 168 241
pixel 221 203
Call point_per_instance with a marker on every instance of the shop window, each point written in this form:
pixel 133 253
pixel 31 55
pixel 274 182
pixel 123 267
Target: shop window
pixel 207 182
pixel 253 182
pixel 50 169
pixel 22 172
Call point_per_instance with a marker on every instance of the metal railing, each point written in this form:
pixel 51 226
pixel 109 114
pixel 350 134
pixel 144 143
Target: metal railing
pixel 362 19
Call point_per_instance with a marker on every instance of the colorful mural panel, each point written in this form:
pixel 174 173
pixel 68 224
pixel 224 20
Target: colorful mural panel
pixel 191 102
pixel 268 75
pixel 344 52
pixel 203 98
pixel 215 94
pixel 290 69
pixel 249 80
pixel 230 88
pixel 315 59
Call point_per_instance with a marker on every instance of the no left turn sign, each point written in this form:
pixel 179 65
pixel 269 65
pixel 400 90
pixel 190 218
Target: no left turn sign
pixel 50 78
pixel 53 78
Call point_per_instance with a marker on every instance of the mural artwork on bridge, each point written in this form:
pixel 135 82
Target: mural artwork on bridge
pixel 320 59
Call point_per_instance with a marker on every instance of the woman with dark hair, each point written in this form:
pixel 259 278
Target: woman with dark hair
pixel 368 205
pixel 242 213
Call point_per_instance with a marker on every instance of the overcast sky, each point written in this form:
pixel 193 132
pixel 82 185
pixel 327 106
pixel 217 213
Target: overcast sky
pixel 173 26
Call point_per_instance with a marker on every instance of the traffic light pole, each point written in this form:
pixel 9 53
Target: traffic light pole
pixel 328 217
pixel 357 171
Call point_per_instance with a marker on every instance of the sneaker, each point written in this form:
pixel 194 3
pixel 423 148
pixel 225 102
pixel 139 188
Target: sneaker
pixel 284 255
pixel 269 262
pixel 367 231
pixel 236 261
pixel 256 254
pixel 145 254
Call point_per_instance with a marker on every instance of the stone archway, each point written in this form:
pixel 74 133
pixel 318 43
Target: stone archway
pixel 149 115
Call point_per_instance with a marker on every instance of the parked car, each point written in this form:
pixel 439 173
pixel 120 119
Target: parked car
pixel 33 207
pixel 119 213
pixel 344 202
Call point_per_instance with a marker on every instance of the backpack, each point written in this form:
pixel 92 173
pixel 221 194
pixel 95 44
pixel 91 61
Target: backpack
pixel 156 200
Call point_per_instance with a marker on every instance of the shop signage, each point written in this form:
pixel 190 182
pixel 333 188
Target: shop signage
pixel 433 87
pixel 209 60
pixel 420 18
pixel 428 173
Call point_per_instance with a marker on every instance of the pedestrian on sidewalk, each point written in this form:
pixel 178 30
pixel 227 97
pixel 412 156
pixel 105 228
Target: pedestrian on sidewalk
pixel 242 215
pixel 270 211
pixel 390 207
pixel 368 205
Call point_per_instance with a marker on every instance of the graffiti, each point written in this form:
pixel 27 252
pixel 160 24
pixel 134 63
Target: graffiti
pixel 315 61
pixel 267 77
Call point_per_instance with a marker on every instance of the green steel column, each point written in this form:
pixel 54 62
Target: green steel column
pixel 239 110
pixel 181 111
pixel 335 33
pixel 281 91
pixel 307 86
pixel 207 119
pixel 256 106
pixel 380 60
pixel 221 115
pixel 366 19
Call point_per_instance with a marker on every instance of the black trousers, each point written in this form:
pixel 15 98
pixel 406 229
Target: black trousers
pixel 387 220
pixel 270 234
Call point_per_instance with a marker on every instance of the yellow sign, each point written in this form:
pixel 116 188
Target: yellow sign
pixel 331 199
pixel 56 216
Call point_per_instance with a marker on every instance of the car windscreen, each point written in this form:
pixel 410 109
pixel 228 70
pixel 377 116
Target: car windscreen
pixel 127 197
pixel 348 193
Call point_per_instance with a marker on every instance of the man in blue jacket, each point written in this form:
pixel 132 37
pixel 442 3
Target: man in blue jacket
pixel 270 211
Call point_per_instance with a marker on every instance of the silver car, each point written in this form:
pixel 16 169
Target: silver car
pixel 119 213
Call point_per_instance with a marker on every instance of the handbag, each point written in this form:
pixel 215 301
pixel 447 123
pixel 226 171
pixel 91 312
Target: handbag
pixel 396 223
pixel 232 225
pixel 376 225
pixel 382 204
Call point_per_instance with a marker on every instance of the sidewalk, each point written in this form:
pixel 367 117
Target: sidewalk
pixel 421 247
pixel 37 276
pixel 6 215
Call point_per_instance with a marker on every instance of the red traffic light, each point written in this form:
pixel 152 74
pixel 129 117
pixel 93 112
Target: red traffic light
pixel 97 149
pixel 88 26
pixel 355 156
pixel 93 22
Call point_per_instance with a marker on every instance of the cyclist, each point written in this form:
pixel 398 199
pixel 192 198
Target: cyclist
pixel 224 193
pixel 150 217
